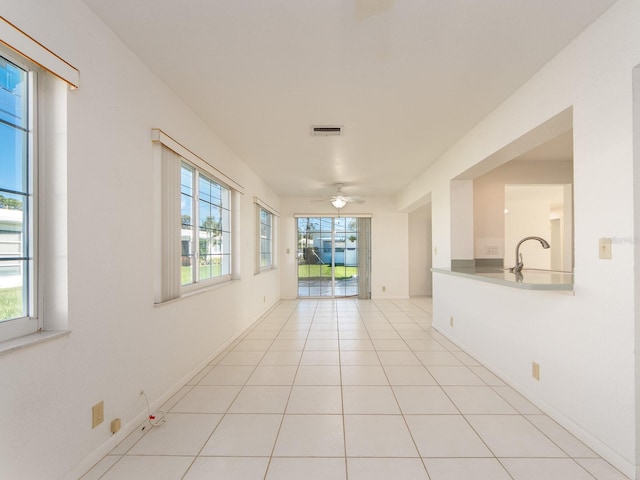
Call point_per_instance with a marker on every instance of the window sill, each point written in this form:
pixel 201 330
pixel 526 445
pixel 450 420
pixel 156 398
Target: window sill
pixel 197 291
pixel 31 340
pixel 266 269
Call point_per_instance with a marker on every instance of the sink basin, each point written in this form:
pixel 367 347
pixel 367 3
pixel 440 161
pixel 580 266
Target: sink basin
pixel 544 270
pixel 528 278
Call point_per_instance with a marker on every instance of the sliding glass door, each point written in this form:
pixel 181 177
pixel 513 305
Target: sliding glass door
pixel 329 260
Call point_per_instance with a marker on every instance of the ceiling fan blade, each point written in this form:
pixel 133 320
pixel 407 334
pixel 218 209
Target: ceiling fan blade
pixel 339 196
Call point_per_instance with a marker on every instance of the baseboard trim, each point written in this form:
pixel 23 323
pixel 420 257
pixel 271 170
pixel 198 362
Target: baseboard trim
pixel 136 422
pixel 611 456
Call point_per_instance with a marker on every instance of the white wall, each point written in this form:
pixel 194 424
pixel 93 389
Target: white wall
pixel 634 239
pixel 585 343
pixel 389 243
pixel 462 220
pixel 531 208
pixel 119 342
pixel 420 283
pixel 488 199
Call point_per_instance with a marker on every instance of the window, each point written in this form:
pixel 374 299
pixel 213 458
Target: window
pixel 205 228
pixel 17 212
pixel 266 222
pixel 266 238
pixel 34 86
pixel 196 221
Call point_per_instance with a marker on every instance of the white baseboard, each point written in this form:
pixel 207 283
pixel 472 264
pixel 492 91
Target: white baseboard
pixel 136 422
pixel 611 456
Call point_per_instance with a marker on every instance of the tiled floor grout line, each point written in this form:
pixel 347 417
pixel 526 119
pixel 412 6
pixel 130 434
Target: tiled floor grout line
pixel 404 419
pixel 284 412
pixel 234 399
pixel 344 420
pixel 518 414
pixel 461 414
pixel 397 316
pixel 239 391
pixel 524 417
pixel 122 455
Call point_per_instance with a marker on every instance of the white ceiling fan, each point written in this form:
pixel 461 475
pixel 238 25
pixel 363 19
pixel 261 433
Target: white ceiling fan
pixel 339 200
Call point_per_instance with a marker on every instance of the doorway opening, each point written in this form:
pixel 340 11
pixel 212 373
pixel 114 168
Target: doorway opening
pixel 333 256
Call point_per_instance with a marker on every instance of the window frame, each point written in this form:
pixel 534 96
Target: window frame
pixel 168 156
pixel 260 207
pixel 197 282
pixel 265 233
pixel 32 321
pixel 52 77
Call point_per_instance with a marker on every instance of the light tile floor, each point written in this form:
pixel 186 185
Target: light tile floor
pixel 350 389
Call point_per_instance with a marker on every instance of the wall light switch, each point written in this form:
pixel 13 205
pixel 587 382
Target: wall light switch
pixel 604 248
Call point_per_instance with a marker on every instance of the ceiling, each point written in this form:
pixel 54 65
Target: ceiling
pixel 559 148
pixel 406 78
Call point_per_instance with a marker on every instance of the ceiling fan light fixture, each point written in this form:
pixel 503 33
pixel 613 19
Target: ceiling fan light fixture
pixel 338 202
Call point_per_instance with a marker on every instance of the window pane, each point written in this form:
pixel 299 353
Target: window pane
pixel 186 198
pixel 210 220
pixel 14 192
pixel 266 219
pixel 186 272
pixel 13 290
pixel 225 268
pixel 204 189
pixel 186 207
pixel 205 214
pixel 13 158
pixel 186 276
pixel 225 220
pixel 12 225
pixel 186 180
pixel 13 94
pixel 224 197
pixel 207 225
pixel 208 267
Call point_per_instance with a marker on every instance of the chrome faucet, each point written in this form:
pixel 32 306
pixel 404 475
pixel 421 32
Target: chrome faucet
pixel 519 263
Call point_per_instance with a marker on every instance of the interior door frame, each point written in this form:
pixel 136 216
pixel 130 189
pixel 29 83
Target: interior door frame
pixel 367 255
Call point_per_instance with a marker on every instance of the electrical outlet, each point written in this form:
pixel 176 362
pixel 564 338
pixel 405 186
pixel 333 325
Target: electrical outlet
pixel 384 289
pixel 491 250
pixel 115 425
pixel 535 371
pixel 97 414
pixel 451 320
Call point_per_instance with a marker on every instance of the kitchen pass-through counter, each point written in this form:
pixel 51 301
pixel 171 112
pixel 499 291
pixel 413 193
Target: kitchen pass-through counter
pixel 531 279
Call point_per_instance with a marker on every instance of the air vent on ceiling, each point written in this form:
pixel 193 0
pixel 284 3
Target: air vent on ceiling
pixel 326 130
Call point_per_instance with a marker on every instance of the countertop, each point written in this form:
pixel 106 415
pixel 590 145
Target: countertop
pixel 531 279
